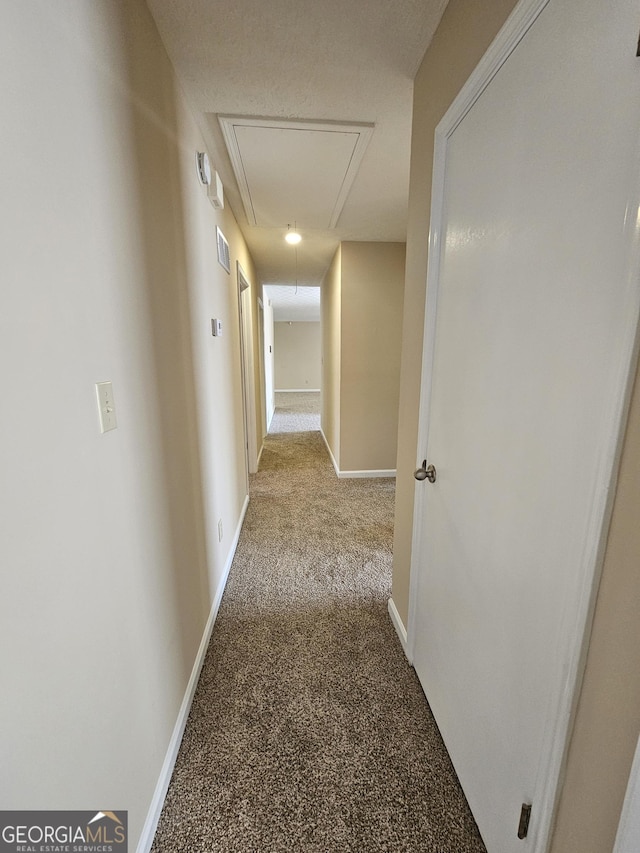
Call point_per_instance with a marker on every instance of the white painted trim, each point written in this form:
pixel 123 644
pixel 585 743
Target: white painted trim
pixel 330 452
pixel 401 631
pixel 260 455
pixel 578 618
pixel 628 835
pixel 297 390
pixel 388 472
pixel 157 801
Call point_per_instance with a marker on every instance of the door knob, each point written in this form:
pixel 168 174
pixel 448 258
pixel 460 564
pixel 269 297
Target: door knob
pixel 426 472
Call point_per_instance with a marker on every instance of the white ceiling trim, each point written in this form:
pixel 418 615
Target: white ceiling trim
pixel 343 176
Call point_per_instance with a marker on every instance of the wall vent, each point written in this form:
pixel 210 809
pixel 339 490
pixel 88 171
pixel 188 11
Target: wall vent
pixel 223 250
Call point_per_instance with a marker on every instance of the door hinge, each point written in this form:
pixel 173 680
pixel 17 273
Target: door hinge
pixel 525 815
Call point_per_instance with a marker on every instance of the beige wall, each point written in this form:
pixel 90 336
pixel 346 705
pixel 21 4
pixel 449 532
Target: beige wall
pixel 330 306
pixel 297 356
pixel 608 715
pixel 109 272
pixel 371 330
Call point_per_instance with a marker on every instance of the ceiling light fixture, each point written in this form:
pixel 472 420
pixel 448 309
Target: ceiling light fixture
pixel 292 237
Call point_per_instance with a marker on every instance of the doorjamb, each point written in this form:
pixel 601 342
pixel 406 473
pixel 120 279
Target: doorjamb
pixel 577 623
pixel 628 835
pixel 246 366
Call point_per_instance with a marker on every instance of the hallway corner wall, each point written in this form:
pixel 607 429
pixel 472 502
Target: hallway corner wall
pixel 362 296
pixel 372 275
pixel 110 548
pixel 331 308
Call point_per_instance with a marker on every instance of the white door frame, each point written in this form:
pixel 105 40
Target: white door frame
pixel 628 836
pixel 263 378
pixel 269 370
pixel 246 358
pixel 577 623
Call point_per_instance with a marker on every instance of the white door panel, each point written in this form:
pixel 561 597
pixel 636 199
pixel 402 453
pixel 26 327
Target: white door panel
pixel 536 281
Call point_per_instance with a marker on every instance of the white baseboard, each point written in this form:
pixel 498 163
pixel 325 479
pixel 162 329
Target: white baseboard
pixel 297 390
pixel 260 454
pixel 330 452
pixel 348 474
pixel 401 631
pixel 157 801
pixel 382 473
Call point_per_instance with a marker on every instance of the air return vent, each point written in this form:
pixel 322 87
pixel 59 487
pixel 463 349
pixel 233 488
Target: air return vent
pixel 223 250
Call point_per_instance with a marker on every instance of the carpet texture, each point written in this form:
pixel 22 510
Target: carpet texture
pixel 296 412
pixel 309 731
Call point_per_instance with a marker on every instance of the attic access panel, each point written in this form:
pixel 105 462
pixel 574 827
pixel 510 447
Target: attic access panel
pixel 287 169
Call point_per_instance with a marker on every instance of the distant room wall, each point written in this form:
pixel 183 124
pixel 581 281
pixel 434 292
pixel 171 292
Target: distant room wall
pixel 297 356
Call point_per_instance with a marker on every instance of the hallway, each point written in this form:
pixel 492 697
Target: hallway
pixel 137 342
pixel 308 730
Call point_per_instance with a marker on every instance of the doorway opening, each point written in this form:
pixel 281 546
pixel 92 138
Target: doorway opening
pixel 293 361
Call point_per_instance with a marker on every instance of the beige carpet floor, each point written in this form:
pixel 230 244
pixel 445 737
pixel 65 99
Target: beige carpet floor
pixel 296 411
pixel 309 731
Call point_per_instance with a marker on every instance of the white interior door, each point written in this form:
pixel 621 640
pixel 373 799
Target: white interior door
pixel 531 325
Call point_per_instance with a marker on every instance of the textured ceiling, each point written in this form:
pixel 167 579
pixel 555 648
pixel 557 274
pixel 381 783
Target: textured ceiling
pixel 307 59
pixel 294 304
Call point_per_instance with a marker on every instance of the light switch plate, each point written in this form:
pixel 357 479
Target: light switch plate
pixel 106 406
